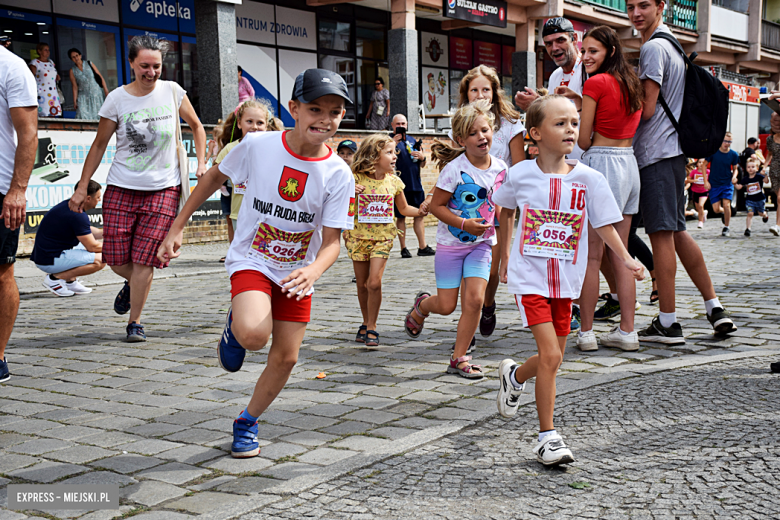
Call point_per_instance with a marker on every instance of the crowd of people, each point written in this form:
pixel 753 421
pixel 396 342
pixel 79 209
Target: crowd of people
pixel 609 159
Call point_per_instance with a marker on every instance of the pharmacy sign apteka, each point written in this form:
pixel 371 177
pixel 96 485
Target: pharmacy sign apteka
pixel 486 12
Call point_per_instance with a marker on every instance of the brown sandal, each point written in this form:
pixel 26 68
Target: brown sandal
pixel 412 328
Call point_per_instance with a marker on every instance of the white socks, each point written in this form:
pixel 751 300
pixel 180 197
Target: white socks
pixel 712 304
pixel 614 296
pixel 667 318
pixel 542 435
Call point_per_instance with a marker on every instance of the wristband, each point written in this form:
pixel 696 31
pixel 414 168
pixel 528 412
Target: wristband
pixel 463 223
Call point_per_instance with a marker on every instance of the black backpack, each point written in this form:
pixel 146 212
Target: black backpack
pixel 705 107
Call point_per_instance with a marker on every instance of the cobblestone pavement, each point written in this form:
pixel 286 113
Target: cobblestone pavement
pixel 155 418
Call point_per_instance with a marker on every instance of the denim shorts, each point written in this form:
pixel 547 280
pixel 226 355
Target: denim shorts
pixel 755 206
pixel 69 259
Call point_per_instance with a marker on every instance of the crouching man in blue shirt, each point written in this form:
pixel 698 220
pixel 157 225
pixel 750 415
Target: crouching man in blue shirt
pixel 67 247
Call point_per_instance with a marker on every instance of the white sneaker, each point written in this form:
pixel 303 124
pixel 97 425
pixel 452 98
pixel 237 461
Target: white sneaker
pixel 508 398
pixel 775 230
pixel 613 338
pixel 552 451
pixel 77 288
pixel 58 287
pixel 586 341
pixel 637 305
pixel 700 225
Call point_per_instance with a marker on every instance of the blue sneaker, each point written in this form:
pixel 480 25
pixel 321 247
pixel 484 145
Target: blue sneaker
pixel 135 333
pixel 245 443
pixel 5 375
pixel 575 318
pixel 230 353
pixel 122 300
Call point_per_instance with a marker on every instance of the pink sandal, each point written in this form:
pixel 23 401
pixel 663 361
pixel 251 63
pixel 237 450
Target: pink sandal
pixel 410 324
pixel 469 371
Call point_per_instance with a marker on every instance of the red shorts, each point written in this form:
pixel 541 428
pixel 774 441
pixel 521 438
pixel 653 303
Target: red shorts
pixel 135 223
pixel 537 309
pixel 282 307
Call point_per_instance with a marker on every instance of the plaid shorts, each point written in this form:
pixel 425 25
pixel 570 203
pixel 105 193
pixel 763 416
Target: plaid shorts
pixel 135 223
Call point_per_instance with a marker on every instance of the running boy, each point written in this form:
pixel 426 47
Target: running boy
pixel 753 183
pixel 699 182
pixel 724 167
pixel 546 271
pixel 298 199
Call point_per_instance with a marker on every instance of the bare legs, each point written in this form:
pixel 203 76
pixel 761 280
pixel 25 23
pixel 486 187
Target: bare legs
pixel 369 289
pixel 83 270
pixel 699 204
pixel 723 207
pixel 9 304
pixel 419 231
pixel 140 279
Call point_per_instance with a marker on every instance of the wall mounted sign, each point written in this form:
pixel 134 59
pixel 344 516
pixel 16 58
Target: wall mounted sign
pixel 485 12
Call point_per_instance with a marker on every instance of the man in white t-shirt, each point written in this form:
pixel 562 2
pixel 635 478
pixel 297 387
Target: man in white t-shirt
pixel 18 143
pixel 560 40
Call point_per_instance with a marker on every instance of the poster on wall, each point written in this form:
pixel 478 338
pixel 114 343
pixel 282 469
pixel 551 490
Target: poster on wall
pixel 259 67
pixel 59 161
pixel 434 49
pixel 488 54
pixel 436 91
pixel 460 53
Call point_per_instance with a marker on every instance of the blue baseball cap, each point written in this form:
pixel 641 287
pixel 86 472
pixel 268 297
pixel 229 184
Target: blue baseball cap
pixel 347 143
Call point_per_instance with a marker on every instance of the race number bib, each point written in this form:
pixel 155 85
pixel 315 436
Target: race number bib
pixel 754 188
pixel 239 189
pixel 551 234
pixel 375 209
pixel 698 179
pixel 279 249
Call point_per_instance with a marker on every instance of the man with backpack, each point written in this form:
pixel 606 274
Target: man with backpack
pixel 661 161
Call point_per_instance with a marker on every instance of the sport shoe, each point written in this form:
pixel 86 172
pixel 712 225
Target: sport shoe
pixel 626 342
pixel 405 253
pixel 245 443
pixel 508 398
pixel 775 368
pixel 426 251
pixel 230 353
pixel 700 225
pixel 58 287
pixel 122 300
pixel 725 232
pixel 720 321
pixel 586 341
pixel 487 323
pixel 657 333
pixel 575 318
pixel 747 233
pixel 77 288
pixel 5 374
pixel 765 219
pixel 723 218
pixel 610 309
pixel 471 346
pixel 552 451
pixel 135 333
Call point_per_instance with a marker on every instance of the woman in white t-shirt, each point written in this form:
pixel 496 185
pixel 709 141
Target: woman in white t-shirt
pixel 144 182
pixel 482 82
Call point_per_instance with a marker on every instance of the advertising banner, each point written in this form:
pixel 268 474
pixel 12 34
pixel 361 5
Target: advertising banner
pixel 255 23
pixel 436 91
pixel 107 10
pixel 434 49
pixel 160 14
pixel 485 12
pixel 460 53
pixel 488 54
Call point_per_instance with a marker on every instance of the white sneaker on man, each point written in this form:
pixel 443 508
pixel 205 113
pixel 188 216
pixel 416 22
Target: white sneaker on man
pixel 614 338
pixel 552 451
pixel 77 288
pixel 58 287
pixel 586 341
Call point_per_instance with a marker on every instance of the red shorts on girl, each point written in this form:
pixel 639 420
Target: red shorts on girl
pixel 536 309
pixel 282 307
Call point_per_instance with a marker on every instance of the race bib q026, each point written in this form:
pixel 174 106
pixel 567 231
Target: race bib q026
pixel 375 209
pixel 280 249
pixel 551 234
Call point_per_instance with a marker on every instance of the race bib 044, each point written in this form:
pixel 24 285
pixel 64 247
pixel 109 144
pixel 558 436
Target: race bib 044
pixel 280 249
pixel 551 234
pixel 375 209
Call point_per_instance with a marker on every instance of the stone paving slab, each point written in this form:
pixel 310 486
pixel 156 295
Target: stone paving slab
pixel 78 391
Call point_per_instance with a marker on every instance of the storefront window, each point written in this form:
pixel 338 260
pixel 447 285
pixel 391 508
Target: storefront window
pixel 97 46
pixel 189 57
pixel 334 35
pixel 370 40
pixel 455 77
pixel 26 31
pixel 170 67
pixel 345 67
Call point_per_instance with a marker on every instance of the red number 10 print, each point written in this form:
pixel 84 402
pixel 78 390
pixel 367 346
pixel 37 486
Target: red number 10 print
pixel 578 199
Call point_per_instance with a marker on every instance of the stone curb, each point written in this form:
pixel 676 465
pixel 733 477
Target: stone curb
pixel 201 272
pixel 307 482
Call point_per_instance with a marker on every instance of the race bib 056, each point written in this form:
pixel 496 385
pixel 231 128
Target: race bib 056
pixel 280 249
pixel 551 234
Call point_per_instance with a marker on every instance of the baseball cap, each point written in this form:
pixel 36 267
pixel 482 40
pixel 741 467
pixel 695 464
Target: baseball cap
pixel 315 83
pixel 557 25
pixel 347 143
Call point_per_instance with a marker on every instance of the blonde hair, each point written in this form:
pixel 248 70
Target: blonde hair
pixel 502 107
pixel 464 118
pixel 229 130
pixel 534 116
pixel 368 153
pixel 753 159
